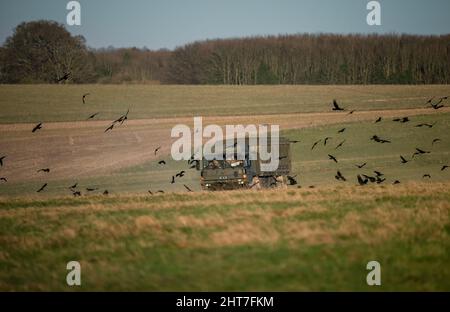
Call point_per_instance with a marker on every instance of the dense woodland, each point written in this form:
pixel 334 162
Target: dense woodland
pixel 44 52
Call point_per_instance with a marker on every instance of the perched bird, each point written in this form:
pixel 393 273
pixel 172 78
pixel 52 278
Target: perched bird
pixel 420 152
pixel 42 188
pixel 3 179
pixel 46 170
pixel 444 167
pixel 331 157
pixel 92 116
pixel 187 188
pixel 109 128
pixel 157 149
pixel 161 162
pixel 362 181
pixel 435 141
pixel 342 130
pixel 340 144
pixel 426 176
pixel 336 106
pixel 180 174
pixel 361 166
pixel 1 160
pixel 292 180
pixel 403 160
pixel 37 127
pixel 173 180
pixel 339 176
pixel 84 97
pixel 326 140
pixel 378 120
pixel 315 143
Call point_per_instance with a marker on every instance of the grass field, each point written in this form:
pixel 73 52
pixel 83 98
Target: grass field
pixel 301 238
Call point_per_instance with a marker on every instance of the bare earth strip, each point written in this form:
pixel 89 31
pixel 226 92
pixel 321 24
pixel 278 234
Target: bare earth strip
pixel 83 149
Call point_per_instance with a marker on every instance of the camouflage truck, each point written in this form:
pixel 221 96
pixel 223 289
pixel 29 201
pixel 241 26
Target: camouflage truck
pixel 246 173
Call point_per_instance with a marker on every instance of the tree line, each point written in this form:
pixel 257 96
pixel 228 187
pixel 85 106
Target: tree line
pixel 43 51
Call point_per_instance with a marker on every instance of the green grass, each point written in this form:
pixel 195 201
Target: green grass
pixel 33 103
pixel 288 240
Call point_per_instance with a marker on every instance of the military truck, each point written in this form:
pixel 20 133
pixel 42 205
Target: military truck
pixel 229 174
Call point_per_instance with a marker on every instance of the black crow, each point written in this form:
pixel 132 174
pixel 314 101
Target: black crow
pixel 378 120
pixel 161 162
pixel 435 141
pixel 362 181
pixel 403 160
pixel 157 149
pixel 84 97
pixel 42 188
pixel 46 170
pixel 292 180
pixel 444 167
pixel 110 127
pixel 340 144
pixel 187 188
pixel 315 143
pixel 326 140
pixel 339 176
pixel 336 106
pixel 342 130
pixel 361 166
pixel 331 157
pixel 1 160
pixel 92 116
pixel 3 179
pixel 37 127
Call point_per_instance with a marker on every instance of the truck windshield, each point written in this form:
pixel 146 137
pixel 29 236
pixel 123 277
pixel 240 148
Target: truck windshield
pixel 222 164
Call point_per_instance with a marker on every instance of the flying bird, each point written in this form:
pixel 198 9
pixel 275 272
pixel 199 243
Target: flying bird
pixel 160 191
pixel 425 125
pixel 42 188
pixel 362 181
pixel 340 144
pixel 1 160
pixel 37 127
pixel 378 173
pixel 63 78
pixel 92 116
pixel 361 166
pixel 157 149
pixel 76 193
pixel 342 130
pixel 84 97
pixel 105 192
pixel 336 106
pixel 3 179
pixel 331 157
pixel 396 182
pixel 173 180
pixel 435 141
pixel 292 180
pixel 46 170
pixel 187 188
pixel 420 152
pixel 379 140
pixel 351 112
pixel 294 141
pixel 444 167
pixel 402 120
pixel 426 176
pixel 180 174
pixel 150 192
pixel 403 160
pixel 91 189
pixel 326 140
pixel 109 128
pixel 370 178
pixel 74 186
pixel 315 143
pixel 161 162
pixel 339 176
pixel 378 120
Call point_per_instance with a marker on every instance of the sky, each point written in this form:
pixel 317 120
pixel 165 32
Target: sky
pixel 157 24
